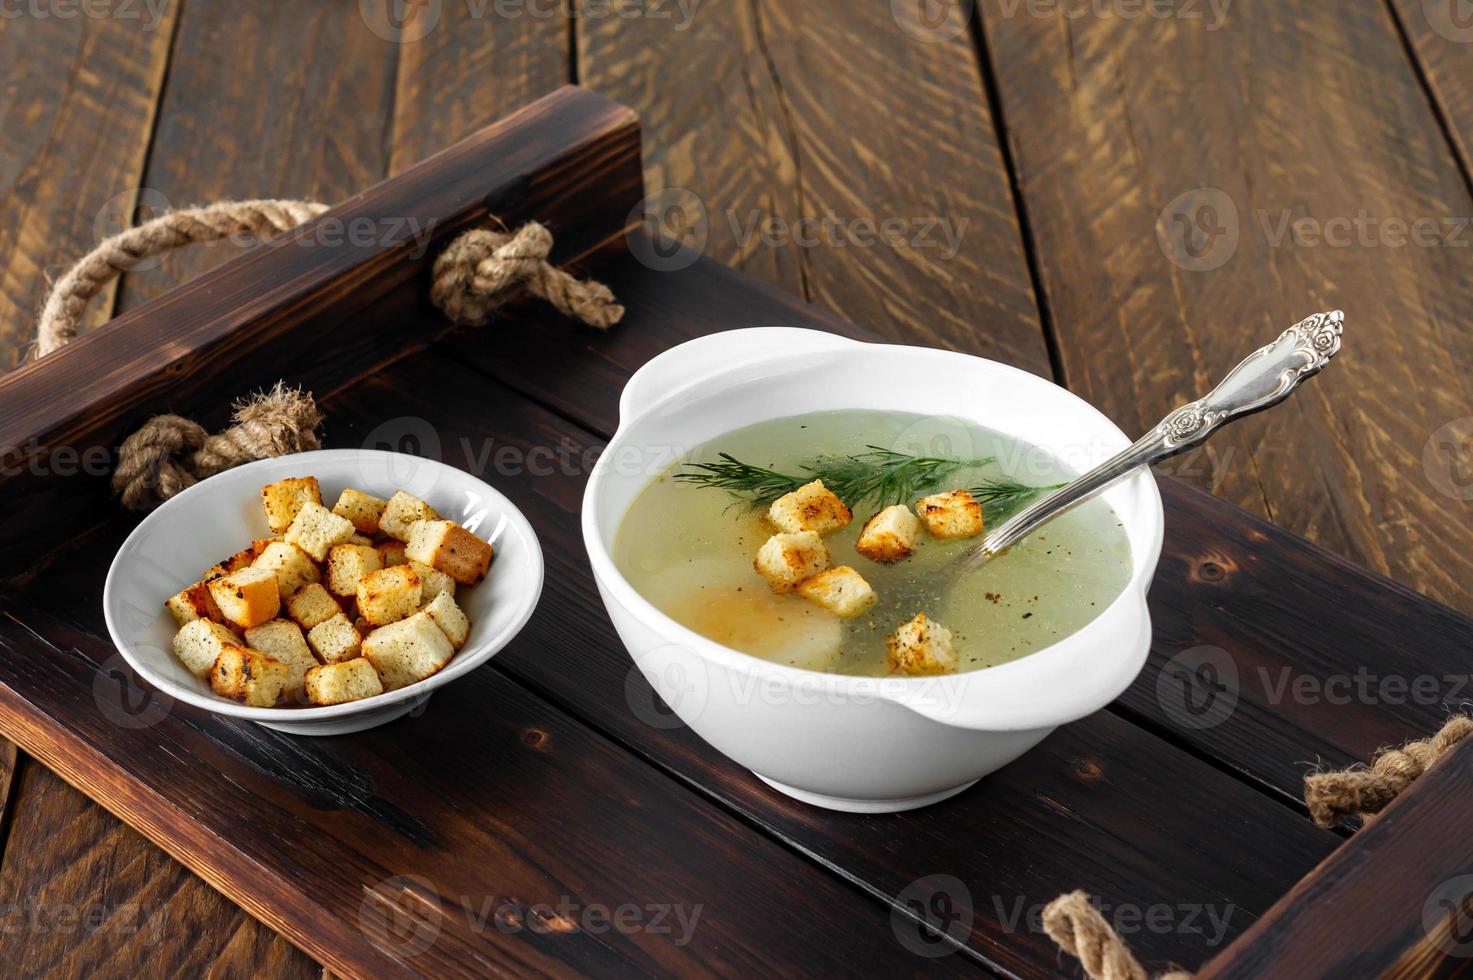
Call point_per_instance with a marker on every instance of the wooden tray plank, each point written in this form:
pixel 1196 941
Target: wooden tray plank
pixel 1412 922
pixel 74 133
pixel 783 113
pixel 1096 791
pixel 1115 119
pixel 1438 34
pixel 309 303
pixel 499 801
pixel 1273 606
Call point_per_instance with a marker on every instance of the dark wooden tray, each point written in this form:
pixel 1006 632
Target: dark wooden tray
pixel 476 837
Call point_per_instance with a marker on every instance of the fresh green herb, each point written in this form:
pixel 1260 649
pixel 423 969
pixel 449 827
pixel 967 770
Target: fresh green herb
pixel 1001 499
pixel 878 476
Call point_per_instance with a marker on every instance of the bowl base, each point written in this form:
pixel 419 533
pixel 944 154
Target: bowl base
pixel 347 723
pixel 865 806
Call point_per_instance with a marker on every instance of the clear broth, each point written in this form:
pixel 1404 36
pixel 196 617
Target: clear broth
pixel 688 549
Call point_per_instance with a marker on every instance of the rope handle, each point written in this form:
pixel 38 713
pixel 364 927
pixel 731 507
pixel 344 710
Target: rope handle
pixel 478 272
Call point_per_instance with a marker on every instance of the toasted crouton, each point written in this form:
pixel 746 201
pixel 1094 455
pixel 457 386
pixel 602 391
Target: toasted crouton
pixel 360 508
pixel 248 597
pixel 407 651
pixel 244 558
pixel 890 535
pixel 393 552
pixel 432 582
pixel 199 642
pixel 316 529
pixel 351 680
pixel 347 564
pixel 282 639
pixel 842 591
pixel 954 514
pixel 284 498
pixel 311 605
pixel 248 676
pixel 293 567
pixel 450 618
pixel 402 510
pixel 787 559
pixel 193 603
pixel 811 507
pixel 335 639
pixel 388 594
pixel 450 548
pixel 922 647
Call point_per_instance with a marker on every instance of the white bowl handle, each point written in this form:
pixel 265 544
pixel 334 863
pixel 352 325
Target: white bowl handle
pixel 696 361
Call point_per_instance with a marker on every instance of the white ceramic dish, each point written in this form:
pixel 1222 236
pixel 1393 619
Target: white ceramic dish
pixel 219 516
pixel 858 743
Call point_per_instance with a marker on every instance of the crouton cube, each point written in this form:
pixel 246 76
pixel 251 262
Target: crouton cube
pixel 282 639
pixel 890 535
pixel 241 559
pixel 283 499
pixel 811 507
pixel 450 548
pixel 362 540
pixel 347 564
pixel 335 639
pixel 352 680
pixel 248 597
pixel 922 647
pixel 954 514
pixel 450 618
pixel 787 559
pixel 402 510
pixel 432 582
pixel 215 571
pixel 388 595
pixel 362 509
pixel 316 529
pixel 193 603
pixel 393 552
pixel 199 642
pixel 407 651
pixel 363 626
pixel 248 676
pixel 311 605
pixel 292 566
pixel 842 591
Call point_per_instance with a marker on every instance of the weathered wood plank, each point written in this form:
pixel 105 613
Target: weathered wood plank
pixel 1131 133
pixel 75 120
pixel 86 896
pixel 436 847
pixel 796 128
pixel 1439 33
pixel 294 111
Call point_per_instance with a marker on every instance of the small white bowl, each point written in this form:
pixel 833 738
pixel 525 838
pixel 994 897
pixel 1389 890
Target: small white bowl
pixel 863 744
pixel 218 517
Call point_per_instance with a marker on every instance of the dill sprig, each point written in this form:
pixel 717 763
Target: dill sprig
pixel 878 477
pixel 1001 499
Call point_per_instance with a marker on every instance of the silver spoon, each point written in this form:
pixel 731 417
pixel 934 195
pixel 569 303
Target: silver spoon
pixel 1263 379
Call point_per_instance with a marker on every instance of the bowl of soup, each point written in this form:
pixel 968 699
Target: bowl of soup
pixel 777 531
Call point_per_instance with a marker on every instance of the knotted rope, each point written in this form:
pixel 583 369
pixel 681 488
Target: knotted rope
pixel 1364 792
pixel 1078 928
pixel 478 272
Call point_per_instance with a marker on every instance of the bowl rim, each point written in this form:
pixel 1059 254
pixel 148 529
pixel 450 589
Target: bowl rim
pixel 915 692
pixel 459 665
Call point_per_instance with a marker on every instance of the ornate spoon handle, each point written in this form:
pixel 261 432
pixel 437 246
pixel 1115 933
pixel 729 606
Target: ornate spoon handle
pixel 1263 379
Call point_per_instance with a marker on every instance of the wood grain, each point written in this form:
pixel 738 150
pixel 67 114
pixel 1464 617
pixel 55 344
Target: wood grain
pixel 1438 34
pixel 772 114
pixel 1285 111
pixel 1396 902
pixel 474 838
pixel 295 113
pixel 74 129
pixel 85 895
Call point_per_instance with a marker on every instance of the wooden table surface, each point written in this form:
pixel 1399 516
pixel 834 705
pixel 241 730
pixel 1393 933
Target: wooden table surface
pixel 1125 197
